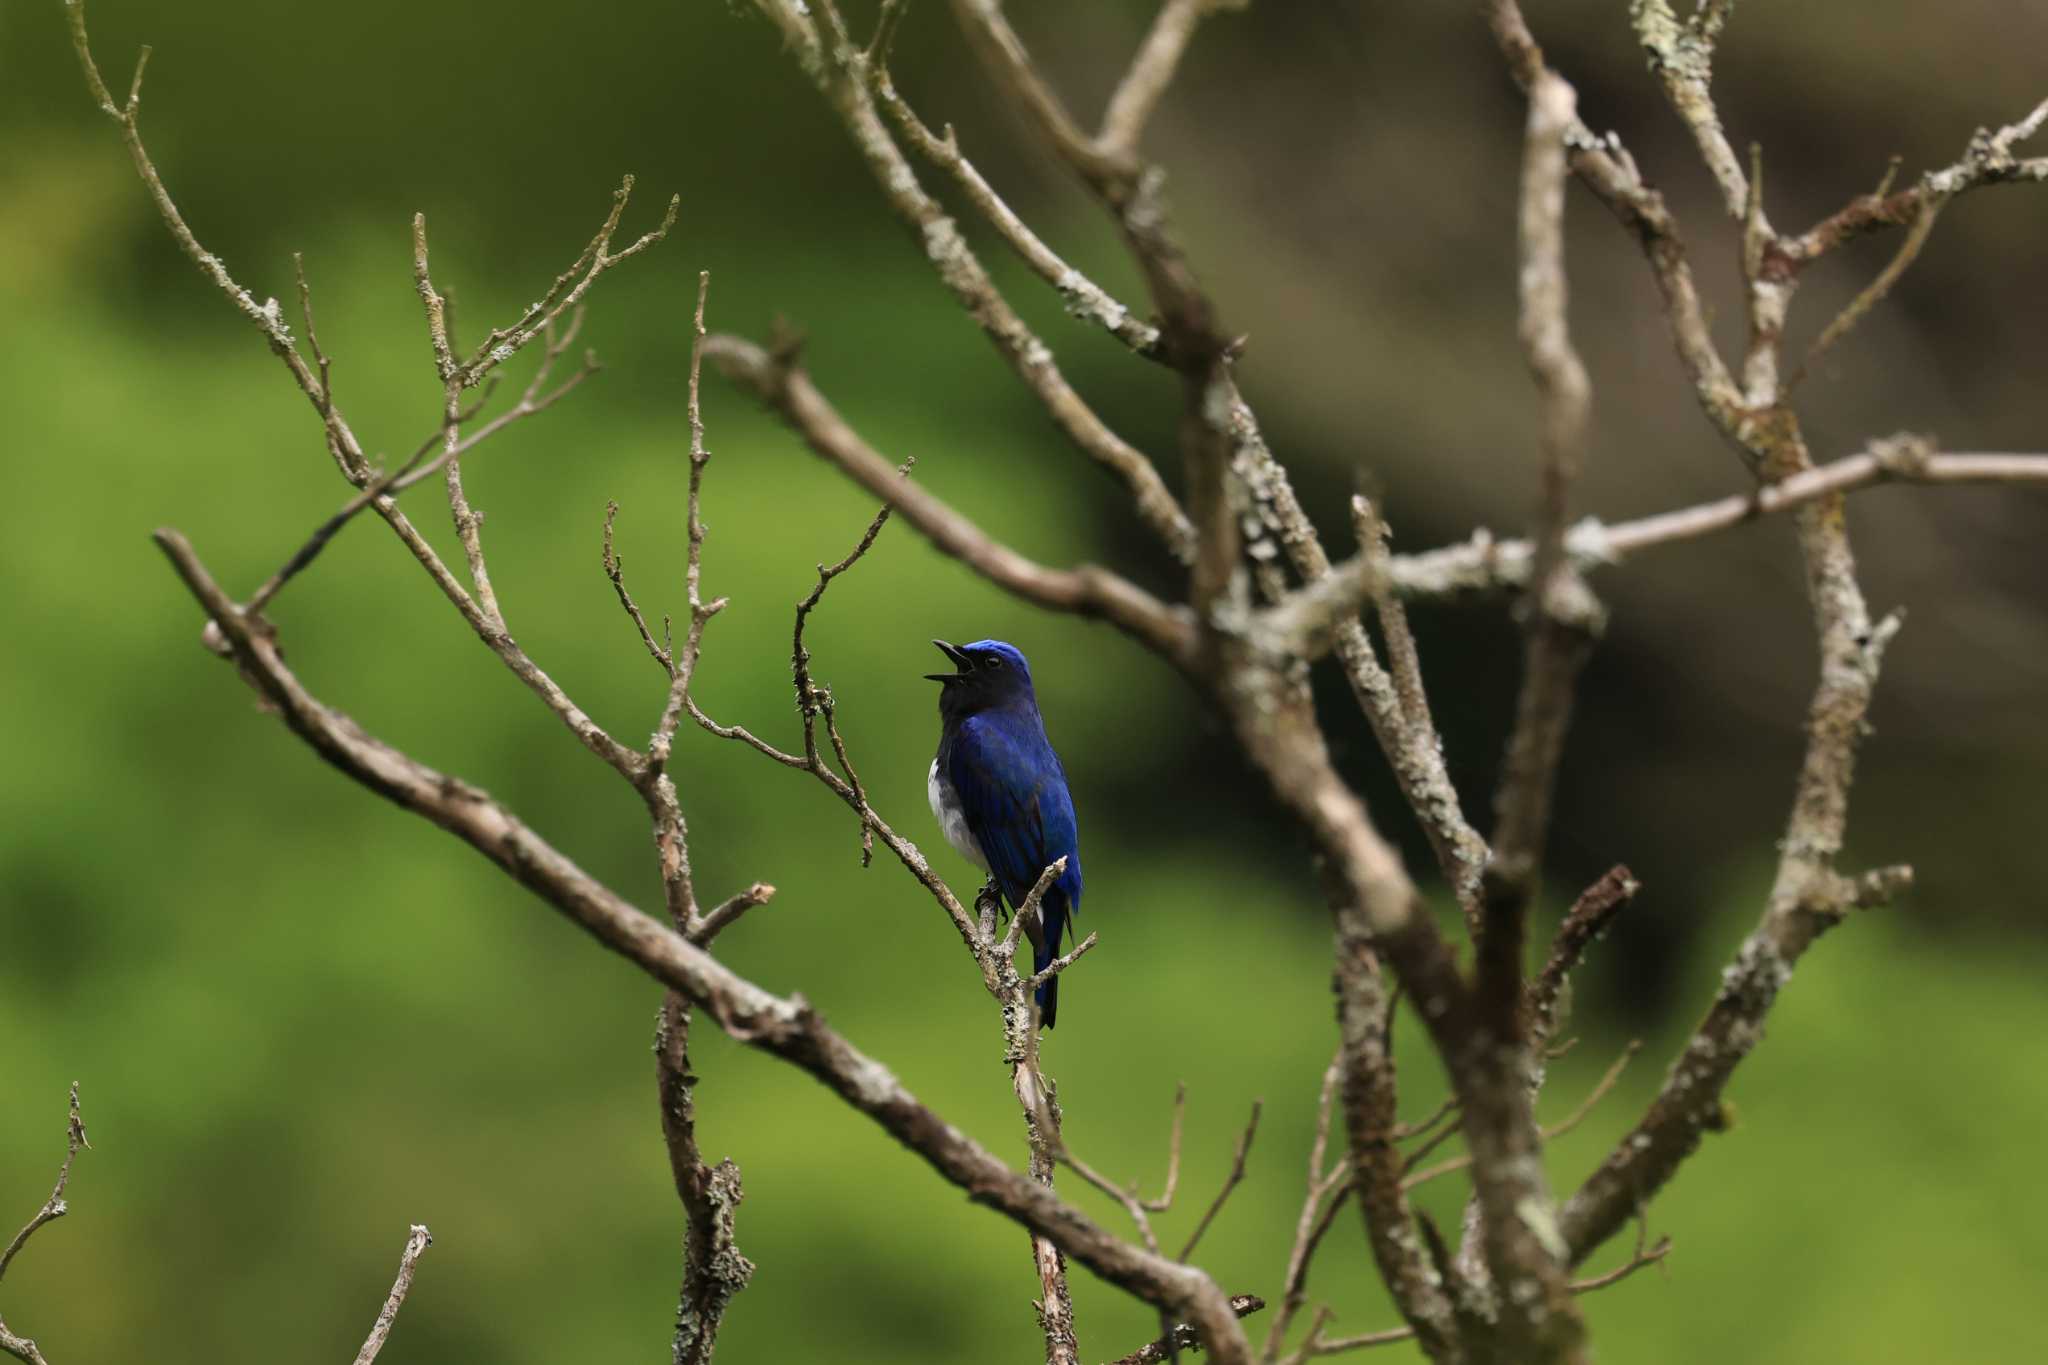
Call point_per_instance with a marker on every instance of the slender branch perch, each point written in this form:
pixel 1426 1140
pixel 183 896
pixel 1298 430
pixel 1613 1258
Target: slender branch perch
pixel 785 1026
pixel 416 1244
pixel 1230 1182
pixel 53 1208
pixel 1485 565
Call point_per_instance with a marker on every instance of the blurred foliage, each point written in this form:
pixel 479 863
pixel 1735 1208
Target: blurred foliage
pixel 303 1019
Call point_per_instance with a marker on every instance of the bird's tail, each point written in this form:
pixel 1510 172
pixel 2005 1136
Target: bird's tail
pixel 1048 1000
pixel 1054 914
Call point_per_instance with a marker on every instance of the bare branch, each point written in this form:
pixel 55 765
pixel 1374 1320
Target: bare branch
pixel 1083 297
pixel 1165 1199
pixel 1412 750
pixel 54 1207
pixel 1682 58
pixel 1874 292
pixel 1184 1337
pixel 1317 1345
pixel 1152 70
pixel 886 23
pixel 267 317
pixel 1583 924
pixel 1989 160
pixel 418 469
pixel 1027 915
pixel 701 612
pixel 1484 565
pixel 1404 664
pixel 564 296
pixel 1641 1257
pixel 1061 963
pixel 814 701
pixel 479 612
pixel 1605 167
pixel 615 570
pixel 1230 1183
pixel 306 313
pixel 1372 1166
pixel 727 912
pixel 839 73
pixel 1551 1134
pixel 1558 639
pixel 1002 51
pixel 786 1027
pixel 1316 1216
pixel 416 1244
pixel 1129 1201
pixel 1512 1219
pixel 714 1271
pixel 1088 590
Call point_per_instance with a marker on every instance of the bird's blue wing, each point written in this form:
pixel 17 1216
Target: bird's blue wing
pixel 1014 794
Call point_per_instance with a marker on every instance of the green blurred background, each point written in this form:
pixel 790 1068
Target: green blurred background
pixel 303 1019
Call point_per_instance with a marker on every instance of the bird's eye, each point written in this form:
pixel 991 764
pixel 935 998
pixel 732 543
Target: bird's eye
pixel 992 662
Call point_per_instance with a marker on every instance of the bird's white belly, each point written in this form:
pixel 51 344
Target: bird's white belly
pixel 952 819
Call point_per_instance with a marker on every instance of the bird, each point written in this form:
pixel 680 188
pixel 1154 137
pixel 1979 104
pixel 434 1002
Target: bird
pixel 999 794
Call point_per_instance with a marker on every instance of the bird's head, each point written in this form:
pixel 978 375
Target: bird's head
pixel 987 673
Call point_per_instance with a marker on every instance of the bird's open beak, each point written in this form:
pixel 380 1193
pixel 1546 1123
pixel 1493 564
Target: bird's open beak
pixel 960 661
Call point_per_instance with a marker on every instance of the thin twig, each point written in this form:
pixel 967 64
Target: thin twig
pixel 1484 564
pixel 1061 963
pixel 1445 1109
pixel 1583 924
pixel 615 570
pixel 1165 1199
pixel 1230 1183
pixel 846 87
pixel 1027 912
pixel 1314 1215
pixel 1642 1255
pixel 1316 1345
pixel 1557 1130
pixel 1184 1336
pixel 1874 292
pixel 416 1244
pixel 727 912
pixel 1151 71
pixel 415 470
pixel 1084 298
pixel 1988 160
pixel 1555 643
pixel 54 1207
pixel 1087 590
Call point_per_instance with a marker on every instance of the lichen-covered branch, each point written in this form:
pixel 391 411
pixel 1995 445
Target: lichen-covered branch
pixel 1588 918
pixel 1604 166
pixel 839 71
pixel 1486 566
pixel 1988 160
